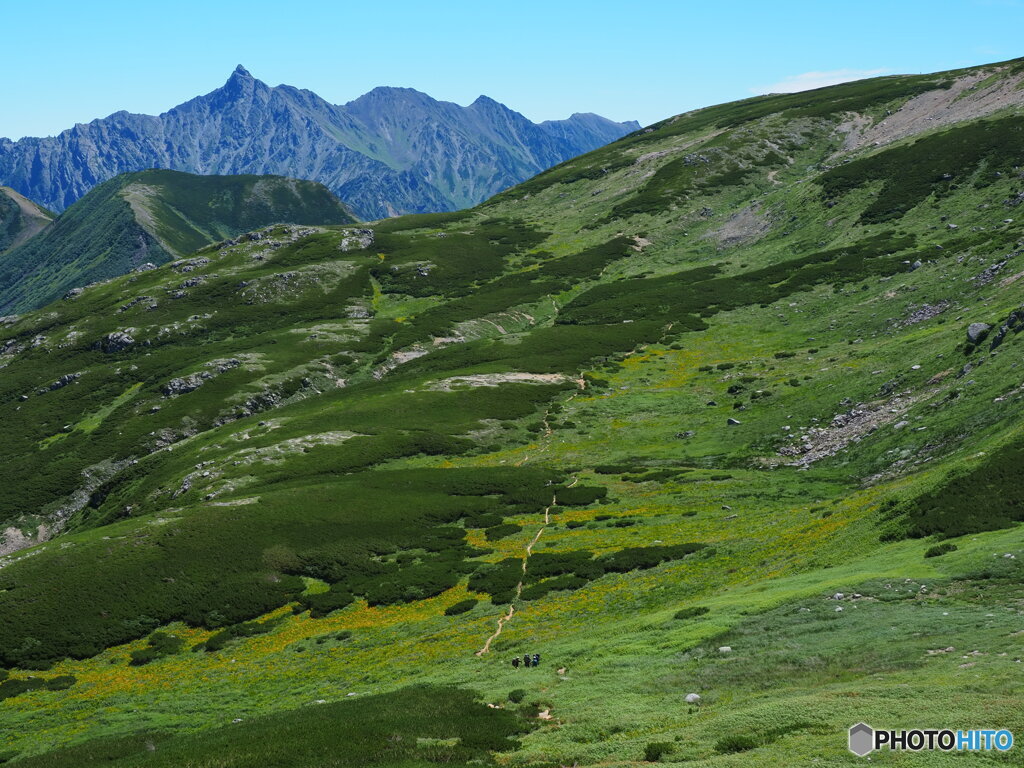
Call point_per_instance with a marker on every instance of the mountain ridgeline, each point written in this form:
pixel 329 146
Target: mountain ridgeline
pixel 724 421
pixel 391 151
pixel 20 219
pixel 149 218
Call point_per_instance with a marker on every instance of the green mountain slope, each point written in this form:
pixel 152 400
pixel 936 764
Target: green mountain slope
pixel 726 408
pixel 152 217
pixel 20 219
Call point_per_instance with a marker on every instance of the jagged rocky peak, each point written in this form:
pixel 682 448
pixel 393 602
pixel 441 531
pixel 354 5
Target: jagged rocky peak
pixel 241 83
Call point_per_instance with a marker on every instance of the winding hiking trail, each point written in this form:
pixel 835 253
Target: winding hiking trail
pixel 581 382
pixel 526 559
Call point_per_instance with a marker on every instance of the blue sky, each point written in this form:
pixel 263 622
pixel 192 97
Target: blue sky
pixel 70 62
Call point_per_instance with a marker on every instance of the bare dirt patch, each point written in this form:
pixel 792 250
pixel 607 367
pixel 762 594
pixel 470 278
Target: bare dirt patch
pixel 934 109
pixel 745 226
pixel 496 379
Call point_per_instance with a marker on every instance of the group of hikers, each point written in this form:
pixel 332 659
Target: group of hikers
pixel 527 660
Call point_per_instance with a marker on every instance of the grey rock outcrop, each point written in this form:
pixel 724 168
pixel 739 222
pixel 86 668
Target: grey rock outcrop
pixel 185 384
pixel 356 239
pixel 117 341
pixel 64 380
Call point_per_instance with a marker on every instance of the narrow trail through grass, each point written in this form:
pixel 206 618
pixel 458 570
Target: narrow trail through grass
pixel 519 587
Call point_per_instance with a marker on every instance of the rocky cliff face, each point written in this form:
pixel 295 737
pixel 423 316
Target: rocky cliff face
pixel 392 151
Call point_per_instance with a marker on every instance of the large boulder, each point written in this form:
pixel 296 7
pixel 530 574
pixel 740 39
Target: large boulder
pixel 977 331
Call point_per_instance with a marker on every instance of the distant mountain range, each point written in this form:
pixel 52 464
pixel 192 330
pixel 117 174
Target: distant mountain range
pixel 148 217
pixel 391 151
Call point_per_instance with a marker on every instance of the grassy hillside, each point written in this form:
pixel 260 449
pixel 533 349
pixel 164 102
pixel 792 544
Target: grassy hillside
pixel 152 217
pixel 20 219
pixel 724 408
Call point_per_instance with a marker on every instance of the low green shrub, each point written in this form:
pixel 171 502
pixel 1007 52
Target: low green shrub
pixel 218 640
pixel 461 607
pixel 161 644
pixel 500 531
pixel 656 750
pixel 692 612
pixel 736 743
pixel 940 549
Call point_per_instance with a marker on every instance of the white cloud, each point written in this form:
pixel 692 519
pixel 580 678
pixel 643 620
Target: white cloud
pixel 809 80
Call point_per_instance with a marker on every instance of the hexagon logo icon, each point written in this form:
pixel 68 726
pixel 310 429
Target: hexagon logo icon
pixel 862 738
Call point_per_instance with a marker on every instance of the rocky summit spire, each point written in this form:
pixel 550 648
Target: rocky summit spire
pixel 241 84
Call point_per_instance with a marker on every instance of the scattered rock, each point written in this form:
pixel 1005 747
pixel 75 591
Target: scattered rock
pixel 224 364
pixel 988 274
pixel 693 698
pixel 725 649
pixel 733 422
pixel 924 312
pixel 134 302
pixel 189 265
pixel 74 293
pixel 149 266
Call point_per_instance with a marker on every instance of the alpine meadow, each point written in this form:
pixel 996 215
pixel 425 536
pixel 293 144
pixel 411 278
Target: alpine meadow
pixel 712 430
